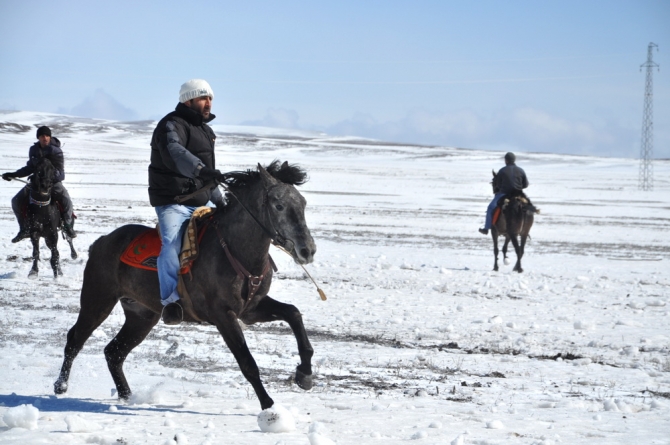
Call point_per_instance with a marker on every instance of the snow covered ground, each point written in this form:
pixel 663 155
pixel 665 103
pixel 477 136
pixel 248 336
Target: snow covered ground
pixel 419 341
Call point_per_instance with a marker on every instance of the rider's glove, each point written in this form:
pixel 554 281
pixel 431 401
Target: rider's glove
pixel 208 174
pixel 8 176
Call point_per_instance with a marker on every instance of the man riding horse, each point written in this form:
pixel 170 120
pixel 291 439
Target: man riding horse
pixel 509 179
pixel 50 148
pixel 182 162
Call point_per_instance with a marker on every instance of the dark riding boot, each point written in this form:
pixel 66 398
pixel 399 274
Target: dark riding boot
pixel 484 231
pixel 172 314
pixel 69 230
pixel 23 234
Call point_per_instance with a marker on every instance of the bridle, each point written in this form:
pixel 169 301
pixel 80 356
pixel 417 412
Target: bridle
pixel 37 202
pixel 277 238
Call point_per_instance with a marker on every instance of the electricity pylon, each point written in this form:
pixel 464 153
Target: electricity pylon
pixel 646 181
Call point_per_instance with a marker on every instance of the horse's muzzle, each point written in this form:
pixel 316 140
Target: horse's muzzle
pixel 303 252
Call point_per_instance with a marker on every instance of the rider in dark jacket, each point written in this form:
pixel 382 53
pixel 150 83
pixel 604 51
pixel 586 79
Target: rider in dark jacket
pixel 50 148
pixel 182 162
pixel 510 178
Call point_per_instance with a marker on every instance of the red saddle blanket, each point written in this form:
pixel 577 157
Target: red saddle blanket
pixel 143 251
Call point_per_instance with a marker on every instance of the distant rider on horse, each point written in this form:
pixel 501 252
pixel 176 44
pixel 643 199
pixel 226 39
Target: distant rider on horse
pixel 50 148
pixel 182 162
pixel 510 178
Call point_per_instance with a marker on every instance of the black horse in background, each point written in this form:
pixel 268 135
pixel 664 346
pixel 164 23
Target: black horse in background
pixel 218 294
pixel 517 215
pixel 44 217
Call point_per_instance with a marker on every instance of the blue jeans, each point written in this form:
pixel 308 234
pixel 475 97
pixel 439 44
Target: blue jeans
pixel 491 209
pixel 172 220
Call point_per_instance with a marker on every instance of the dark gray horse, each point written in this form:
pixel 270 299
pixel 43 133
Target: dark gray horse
pixel 218 294
pixel 43 216
pixel 515 220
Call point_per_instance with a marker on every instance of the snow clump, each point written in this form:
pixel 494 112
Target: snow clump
pixel 23 416
pixel 276 419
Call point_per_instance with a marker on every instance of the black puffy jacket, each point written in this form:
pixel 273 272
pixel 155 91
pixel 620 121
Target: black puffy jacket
pixel 52 152
pixel 181 142
pixel 510 178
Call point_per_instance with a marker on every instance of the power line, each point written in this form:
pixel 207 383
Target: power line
pixel 646 180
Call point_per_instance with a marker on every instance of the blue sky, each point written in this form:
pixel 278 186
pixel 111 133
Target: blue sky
pixel 551 76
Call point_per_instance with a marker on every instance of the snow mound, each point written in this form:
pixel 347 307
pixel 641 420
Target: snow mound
pixel 22 416
pixel 276 419
pixel 318 439
pixel 77 424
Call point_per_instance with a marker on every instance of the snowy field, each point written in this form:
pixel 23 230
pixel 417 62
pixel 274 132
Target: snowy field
pixel 418 342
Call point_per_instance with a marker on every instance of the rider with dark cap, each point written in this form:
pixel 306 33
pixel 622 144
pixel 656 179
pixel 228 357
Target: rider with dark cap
pixel 46 147
pixel 509 178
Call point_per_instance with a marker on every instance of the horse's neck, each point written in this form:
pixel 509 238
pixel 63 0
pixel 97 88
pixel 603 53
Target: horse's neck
pixel 245 238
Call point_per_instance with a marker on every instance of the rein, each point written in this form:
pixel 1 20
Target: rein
pixel 275 236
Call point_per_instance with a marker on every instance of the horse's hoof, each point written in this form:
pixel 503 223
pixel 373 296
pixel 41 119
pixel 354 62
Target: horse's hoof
pixel 33 274
pixel 304 381
pixel 267 403
pixel 60 387
pixel 74 255
pixel 125 395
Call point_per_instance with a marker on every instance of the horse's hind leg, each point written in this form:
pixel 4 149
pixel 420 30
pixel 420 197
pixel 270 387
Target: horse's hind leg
pixel 96 305
pixel 271 310
pixel 232 334
pixel 139 322
pixel 504 250
pixel 519 253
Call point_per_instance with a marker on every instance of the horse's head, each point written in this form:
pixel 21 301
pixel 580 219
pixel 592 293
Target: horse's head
pixel 282 209
pixel 42 179
pixel 494 182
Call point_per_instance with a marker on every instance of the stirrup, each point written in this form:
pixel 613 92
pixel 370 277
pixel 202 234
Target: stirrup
pixel 172 314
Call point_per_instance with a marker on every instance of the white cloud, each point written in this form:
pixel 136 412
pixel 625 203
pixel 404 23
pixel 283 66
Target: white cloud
pixel 523 129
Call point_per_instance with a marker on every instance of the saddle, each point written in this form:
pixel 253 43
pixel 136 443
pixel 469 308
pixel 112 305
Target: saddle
pixel 504 201
pixel 143 251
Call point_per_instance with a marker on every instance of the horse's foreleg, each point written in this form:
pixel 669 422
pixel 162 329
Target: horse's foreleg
pixel 52 243
pixel 519 253
pixel 232 334
pixel 271 310
pixel 95 308
pixel 139 322
pixel 73 253
pixel 35 239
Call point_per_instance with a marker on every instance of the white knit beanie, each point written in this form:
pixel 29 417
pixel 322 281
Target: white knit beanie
pixel 195 88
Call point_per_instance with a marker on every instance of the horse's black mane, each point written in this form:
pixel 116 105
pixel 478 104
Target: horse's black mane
pixel 286 173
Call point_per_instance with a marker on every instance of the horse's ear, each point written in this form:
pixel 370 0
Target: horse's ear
pixel 494 173
pixel 266 177
pixel 284 166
